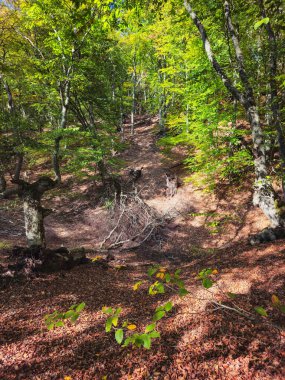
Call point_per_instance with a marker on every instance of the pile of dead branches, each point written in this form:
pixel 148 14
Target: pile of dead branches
pixel 132 222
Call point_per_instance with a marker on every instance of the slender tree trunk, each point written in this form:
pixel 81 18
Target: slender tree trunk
pixel 274 101
pixel 122 117
pixel 264 195
pixel 134 89
pixel 162 97
pixel 3 183
pixel 133 108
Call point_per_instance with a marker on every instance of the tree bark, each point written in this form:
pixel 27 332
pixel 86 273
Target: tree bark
pixel 264 195
pixel 34 214
pixel 3 183
pixel 34 222
pixel 274 101
pixel 134 92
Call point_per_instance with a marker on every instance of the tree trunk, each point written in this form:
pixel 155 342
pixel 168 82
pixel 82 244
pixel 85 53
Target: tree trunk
pixel 3 184
pixel 274 101
pixel 34 214
pixel 162 96
pixel 34 221
pixel 264 194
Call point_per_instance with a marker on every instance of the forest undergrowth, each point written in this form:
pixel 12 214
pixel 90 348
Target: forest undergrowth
pixel 196 230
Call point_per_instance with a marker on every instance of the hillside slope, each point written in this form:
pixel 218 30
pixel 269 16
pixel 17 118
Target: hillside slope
pixel 199 340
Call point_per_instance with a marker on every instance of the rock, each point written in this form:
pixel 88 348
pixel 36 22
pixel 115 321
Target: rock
pixel 28 261
pixel 267 235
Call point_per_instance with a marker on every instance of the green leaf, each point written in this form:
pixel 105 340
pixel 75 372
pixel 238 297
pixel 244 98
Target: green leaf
pixel 167 277
pixel 205 273
pixel 107 310
pixel 260 310
pixel 129 340
pixel 118 311
pixel 258 24
pixel 50 326
pixel 68 314
pixel 182 292
pixel 207 283
pixel 152 290
pixel 168 306
pixel 80 307
pixel 59 324
pixel 180 283
pixel 158 315
pixel 119 335
pixel 160 288
pixel 150 328
pixel 177 273
pixel 146 341
pixel 152 271
pixel 115 321
pixel 154 334
pixel 108 325
pixel 138 340
pixel 74 318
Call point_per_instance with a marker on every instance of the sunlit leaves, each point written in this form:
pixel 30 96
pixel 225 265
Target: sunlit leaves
pixel 264 21
pixel 206 275
pixel 261 311
pixel 57 319
pixel 137 285
pixel 119 335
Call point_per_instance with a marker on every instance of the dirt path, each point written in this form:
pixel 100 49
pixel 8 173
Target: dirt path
pixel 196 341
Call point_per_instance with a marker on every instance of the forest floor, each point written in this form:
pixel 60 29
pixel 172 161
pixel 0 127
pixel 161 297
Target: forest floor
pixel 201 230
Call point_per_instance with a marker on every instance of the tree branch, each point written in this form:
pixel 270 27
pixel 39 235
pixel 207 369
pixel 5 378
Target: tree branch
pixel 55 159
pixel 11 105
pixel 239 56
pixel 207 46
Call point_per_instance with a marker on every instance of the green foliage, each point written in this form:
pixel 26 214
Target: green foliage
pixel 260 310
pixel 58 319
pixel 206 275
pixel 258 24
pixel 123 330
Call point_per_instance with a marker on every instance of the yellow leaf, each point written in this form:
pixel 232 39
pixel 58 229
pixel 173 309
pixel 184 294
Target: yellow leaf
pixel 131 327
pixel 160 275
pixel 96 258
pixel 215 271
pixel 104 377
pixel 275 300
pixel 137 285
pixel 67 378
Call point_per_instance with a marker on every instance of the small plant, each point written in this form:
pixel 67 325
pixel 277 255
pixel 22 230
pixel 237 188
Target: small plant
pixel 206 276
pixel 57 319
pixel 124 332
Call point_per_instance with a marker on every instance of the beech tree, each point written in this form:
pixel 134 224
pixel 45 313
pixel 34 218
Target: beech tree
pixel 264 195
pixel 54 45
